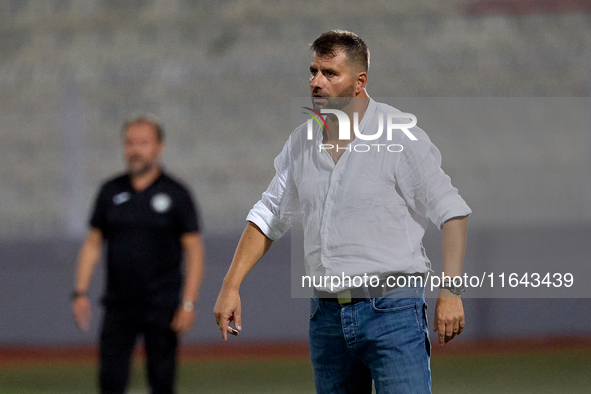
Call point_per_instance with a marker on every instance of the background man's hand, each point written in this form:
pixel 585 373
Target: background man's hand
pixel 81 309
pixel 183 320
pixel 449 316
pixel 227 309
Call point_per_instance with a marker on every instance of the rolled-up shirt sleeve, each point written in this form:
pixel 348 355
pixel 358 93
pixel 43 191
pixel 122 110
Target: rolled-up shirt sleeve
pixel 425 186
pixel 272 212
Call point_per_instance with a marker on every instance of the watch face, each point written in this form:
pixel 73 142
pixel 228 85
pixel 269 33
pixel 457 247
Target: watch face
pixel 456 290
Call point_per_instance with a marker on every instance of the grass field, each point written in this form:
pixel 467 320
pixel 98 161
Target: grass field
pixel 547 372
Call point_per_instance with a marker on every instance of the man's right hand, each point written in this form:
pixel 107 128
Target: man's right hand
pixel 252 246
pixel 227 309
pixel 81 308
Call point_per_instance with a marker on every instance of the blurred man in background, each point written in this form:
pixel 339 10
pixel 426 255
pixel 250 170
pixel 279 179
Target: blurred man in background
pixel 149 222
pixel 364 213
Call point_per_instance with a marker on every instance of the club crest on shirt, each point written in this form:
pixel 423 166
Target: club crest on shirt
pixel 120 198
pixel 161 202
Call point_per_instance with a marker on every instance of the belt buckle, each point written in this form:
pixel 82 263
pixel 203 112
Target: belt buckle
pixel 344 297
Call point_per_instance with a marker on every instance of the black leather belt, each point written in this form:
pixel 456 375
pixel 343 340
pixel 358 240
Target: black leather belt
pixel 357 294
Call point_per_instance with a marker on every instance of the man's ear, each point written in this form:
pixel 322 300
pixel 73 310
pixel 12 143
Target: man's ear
pixel 360 82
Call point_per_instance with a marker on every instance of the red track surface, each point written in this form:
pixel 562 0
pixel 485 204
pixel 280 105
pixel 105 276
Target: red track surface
pixel 26 356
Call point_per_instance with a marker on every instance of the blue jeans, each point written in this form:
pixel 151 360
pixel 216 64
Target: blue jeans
pixel 381 339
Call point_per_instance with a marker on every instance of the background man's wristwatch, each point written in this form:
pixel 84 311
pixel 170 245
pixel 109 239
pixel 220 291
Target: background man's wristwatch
pixel 457 290
pixel 188 305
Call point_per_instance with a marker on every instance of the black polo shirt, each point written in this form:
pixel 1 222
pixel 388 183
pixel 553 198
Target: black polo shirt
pixel 142 231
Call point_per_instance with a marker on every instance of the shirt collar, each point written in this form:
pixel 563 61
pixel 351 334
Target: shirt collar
pixel 368 114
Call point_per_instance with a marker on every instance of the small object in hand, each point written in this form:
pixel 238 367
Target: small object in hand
pixel 234 331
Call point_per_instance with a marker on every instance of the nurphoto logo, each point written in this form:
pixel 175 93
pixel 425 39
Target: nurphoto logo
pixel 345 129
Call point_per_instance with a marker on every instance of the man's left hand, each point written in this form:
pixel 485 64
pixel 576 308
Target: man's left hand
pixel 183 320
pixel 449 316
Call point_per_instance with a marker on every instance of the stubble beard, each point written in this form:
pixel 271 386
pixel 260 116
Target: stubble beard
pixel 340 101
pixel 139 170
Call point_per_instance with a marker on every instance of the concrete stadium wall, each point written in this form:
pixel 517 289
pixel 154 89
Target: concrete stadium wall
pixel 221 74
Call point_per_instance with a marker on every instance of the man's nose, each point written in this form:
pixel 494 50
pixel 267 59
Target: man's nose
pixel 316 81
pixel 131 149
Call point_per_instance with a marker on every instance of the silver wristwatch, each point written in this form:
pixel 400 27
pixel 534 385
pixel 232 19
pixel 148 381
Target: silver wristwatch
pixel 457 290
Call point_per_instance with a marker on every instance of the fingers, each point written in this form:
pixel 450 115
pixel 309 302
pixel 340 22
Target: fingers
pixel 183 320
pixel 226 310
pixel 453 328
pixel 450 330
pixel 224 328
pixel 175 323
pixel 82 314
pixel 441 329
pixel 238 318
pixel 449 319
pixel 83 322
pixel 447 331
pixel 461 325
pixel 222 320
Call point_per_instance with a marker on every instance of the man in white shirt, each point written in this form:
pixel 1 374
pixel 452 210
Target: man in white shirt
pixel 365 200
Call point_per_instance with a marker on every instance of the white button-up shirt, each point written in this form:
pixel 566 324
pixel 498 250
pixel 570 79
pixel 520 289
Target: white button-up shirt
pixel 366 214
